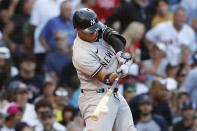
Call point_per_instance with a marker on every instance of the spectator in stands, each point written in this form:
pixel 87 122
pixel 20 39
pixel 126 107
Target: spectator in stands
pixel 46 117
pixel 61 22
pixel 191 78
pixel 182 95
pixel 133 35
pixel 158 92
pixel 14 114
pixel 155 67
pixel 7 70
pixel 187 110
pixel 174 35
pixel 47 92
pixel 162 14
pixel 39 17
pixel 68 115
pixel 61 100
pixel 136 10
pixel 28 76
pixel 56 60
pixel 171 69
pixel 147 120
pixel 20 93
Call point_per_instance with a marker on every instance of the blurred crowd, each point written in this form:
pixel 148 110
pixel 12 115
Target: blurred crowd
pixel 39 87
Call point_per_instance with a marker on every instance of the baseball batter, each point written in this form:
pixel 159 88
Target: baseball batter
pixel 97 60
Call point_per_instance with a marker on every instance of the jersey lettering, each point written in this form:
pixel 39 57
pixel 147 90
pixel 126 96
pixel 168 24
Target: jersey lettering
pixel 109 54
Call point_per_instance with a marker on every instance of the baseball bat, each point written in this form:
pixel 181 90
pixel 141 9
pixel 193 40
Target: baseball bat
pixel 102 106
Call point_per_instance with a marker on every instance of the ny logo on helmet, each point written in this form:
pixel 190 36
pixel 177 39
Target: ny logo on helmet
pixel 92 22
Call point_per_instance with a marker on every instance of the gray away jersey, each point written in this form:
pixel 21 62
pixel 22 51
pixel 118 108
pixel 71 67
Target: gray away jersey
pixel 90 58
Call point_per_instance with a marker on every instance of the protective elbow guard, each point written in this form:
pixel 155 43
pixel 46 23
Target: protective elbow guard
pixel 114 39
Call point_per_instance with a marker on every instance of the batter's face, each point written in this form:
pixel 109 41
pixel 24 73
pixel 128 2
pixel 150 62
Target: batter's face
pixel 89 37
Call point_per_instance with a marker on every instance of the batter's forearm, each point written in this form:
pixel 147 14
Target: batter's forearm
pixel 106 78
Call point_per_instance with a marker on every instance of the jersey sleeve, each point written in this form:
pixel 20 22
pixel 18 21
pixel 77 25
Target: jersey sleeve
pixel 87 64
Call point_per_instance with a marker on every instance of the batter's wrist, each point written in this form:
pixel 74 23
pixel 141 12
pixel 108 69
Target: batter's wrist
pixel 110 78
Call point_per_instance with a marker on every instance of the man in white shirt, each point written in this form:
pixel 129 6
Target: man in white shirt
pixel 175 35
pixel 42 11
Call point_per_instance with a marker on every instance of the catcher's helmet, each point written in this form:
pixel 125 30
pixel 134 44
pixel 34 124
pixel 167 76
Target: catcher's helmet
pixel 86 19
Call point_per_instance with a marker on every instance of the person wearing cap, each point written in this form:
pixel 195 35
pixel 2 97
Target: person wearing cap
pixel 99 58
pixel 19 91
pixel 46 117
pixel 187 109
pixel 182 95
pixel 158 93
pixel 13 116
pixel 191 78
pixel 148 121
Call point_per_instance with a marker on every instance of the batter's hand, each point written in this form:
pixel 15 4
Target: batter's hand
pixel 123 57
pixel 123 69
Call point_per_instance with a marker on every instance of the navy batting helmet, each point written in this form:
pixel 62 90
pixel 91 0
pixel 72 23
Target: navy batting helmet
pixel 86 19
